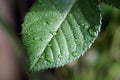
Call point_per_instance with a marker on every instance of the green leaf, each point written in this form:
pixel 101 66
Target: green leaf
pixel 114 3
pixel 56 32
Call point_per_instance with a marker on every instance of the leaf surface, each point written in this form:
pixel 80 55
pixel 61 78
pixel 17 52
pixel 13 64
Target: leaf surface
pixel 56 32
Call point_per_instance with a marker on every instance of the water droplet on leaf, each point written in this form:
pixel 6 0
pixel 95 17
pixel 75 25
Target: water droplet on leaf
pixel 91 32
pixel 35 38
pixel 49 45
pixel 60 56
pixel 82 24
pixel 48 58
pixel 86 26
pixel 53 33
pixel 76 39
pixel 74 54
pixel 96 27
pixel 44 62
pixel 42 56
pixel 27 35
pixel 41 39
pixel 48 22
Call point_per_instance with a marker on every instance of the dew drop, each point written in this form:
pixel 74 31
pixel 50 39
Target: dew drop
pixel 48 22
pixel 41 39
pixel 86 26
pixel 53 33
pixel 96 27
pixel 44 62
pixel 48 58
pixel 35 38
pixel 26 34
pixel 42 57
pixel 76 39
pixel 82 24
pixel 91 32
pixel 44 23
pixel 49 45
pixel 74 54
pixel 60 56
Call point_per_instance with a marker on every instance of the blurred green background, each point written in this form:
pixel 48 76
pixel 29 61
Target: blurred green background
pixel 100 62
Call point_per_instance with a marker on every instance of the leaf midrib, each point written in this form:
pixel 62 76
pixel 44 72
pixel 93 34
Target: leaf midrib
pixel 36 60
